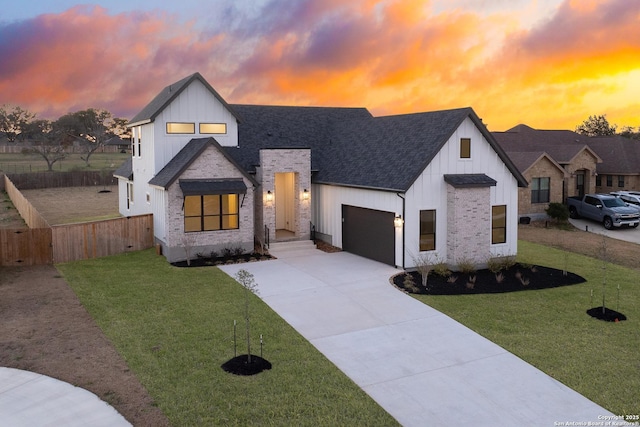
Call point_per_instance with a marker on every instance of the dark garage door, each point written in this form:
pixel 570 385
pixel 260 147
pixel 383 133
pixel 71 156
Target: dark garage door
pixel 368 233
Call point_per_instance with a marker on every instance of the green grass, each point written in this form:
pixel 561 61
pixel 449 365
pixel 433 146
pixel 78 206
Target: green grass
pixel 174 327
pixel 21 163
pixel 551 330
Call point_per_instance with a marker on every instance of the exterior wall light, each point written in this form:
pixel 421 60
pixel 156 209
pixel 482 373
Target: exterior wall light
pixel 269 196
pixel 398 221
pixel 305 194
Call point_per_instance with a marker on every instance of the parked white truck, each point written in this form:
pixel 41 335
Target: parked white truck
pixel 607 209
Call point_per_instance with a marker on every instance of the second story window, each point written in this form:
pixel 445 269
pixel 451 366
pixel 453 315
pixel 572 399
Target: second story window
pixel 214 128
pixel 465 148
pixel 176 127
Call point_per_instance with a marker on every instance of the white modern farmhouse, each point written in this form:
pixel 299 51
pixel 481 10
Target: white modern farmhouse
pixel 218 176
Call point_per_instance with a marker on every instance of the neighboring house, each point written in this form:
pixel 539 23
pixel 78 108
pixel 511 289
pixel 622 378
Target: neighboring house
pixel 390 188
pixel 556 163
pixel 620 167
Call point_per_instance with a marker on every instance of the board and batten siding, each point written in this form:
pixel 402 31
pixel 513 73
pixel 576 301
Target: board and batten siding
pixel 429 191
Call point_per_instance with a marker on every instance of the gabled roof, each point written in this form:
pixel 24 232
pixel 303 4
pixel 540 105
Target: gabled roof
pixel 167 95
pixel 562 145
pixel 125 170
pixel 350 147
pixel 525 160
pixel 185 157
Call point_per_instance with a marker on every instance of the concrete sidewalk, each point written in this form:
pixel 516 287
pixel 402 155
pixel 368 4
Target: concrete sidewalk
pixel 421 366
pixel 28 399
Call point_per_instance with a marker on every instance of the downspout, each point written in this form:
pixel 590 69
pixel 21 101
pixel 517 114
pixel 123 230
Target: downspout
pixel 403 227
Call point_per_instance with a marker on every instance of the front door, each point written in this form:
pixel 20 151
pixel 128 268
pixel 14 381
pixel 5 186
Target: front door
pixel 580 183
pixel 285 202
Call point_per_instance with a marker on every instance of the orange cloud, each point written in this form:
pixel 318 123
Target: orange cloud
pixel 391 56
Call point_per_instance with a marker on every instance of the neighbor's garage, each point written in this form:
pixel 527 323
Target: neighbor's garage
pixel 369 233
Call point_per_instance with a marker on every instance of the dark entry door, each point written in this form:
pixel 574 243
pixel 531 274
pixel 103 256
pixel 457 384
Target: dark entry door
pixel 369 233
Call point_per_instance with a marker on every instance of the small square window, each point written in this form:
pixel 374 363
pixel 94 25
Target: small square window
pixel 465 148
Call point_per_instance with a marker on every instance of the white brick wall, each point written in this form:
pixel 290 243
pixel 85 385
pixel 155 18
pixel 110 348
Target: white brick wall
pixel 211 164
pixel 274 161
pixel 468 225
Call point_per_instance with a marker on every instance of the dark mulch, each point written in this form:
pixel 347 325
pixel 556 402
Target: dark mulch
pixel 203 261
pixel 516 278
pixel 240 365
pixel 607 315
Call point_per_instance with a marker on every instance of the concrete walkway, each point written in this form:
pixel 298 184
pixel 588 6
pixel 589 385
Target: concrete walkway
pixel 28 399
pixel 421 366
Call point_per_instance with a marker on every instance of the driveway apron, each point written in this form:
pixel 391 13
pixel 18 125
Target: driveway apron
pixel 421 366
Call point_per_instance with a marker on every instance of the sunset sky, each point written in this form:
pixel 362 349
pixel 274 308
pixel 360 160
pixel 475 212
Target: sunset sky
pixel 547 63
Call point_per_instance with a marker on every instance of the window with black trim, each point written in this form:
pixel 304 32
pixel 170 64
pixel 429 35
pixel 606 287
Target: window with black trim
pixel 598 180
pixel 212 128
pixel 178 127
pixel 540 190
pixel 620 181
pixel 211 212
pixel 428 230
pixel 498 224
pixel 465 148
pixel 609 180
pixel 139 141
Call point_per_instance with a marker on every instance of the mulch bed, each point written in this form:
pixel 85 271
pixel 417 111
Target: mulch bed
pixel 516 278
pixel 204 261
pixel 240 365
pixel 607 314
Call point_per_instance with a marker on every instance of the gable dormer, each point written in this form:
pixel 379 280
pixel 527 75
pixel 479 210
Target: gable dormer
pixel 189 108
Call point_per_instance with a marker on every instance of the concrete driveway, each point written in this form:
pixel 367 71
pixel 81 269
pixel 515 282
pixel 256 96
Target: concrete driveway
pixel 628 234
pixel 421 366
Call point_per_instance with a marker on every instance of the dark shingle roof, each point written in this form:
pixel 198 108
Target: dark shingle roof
pixel 469 180
pixel 168 94
pixel 125 170
pixel 184 158
pixel 561 145
pixel 351 147
pixel 619 155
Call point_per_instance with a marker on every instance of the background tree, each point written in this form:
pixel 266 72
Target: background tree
pixel 596 126
pixel 92 128
pixel 13 121
pixel 47 140
pixel 630 132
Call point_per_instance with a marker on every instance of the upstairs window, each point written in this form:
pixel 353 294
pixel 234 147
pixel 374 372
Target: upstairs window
pixel 465 148
pixel 540 190
pixel 175 127
pixel 213 128
pixel 428 230
pixel 211 212
pixel 139 141
pixel 498 224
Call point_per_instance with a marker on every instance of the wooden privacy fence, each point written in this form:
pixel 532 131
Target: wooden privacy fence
pixel 43 244
pixel 27 246
pixel 35 180
pixel 101 238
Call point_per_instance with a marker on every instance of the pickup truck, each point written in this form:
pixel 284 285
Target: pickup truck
pixel 610 210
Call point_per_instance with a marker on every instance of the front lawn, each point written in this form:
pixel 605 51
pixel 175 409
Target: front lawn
pixel 174 327
pixel 551 330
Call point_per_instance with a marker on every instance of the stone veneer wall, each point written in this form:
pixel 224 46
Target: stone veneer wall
pixel 468 225
pixel 211 164
pixel 297 160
